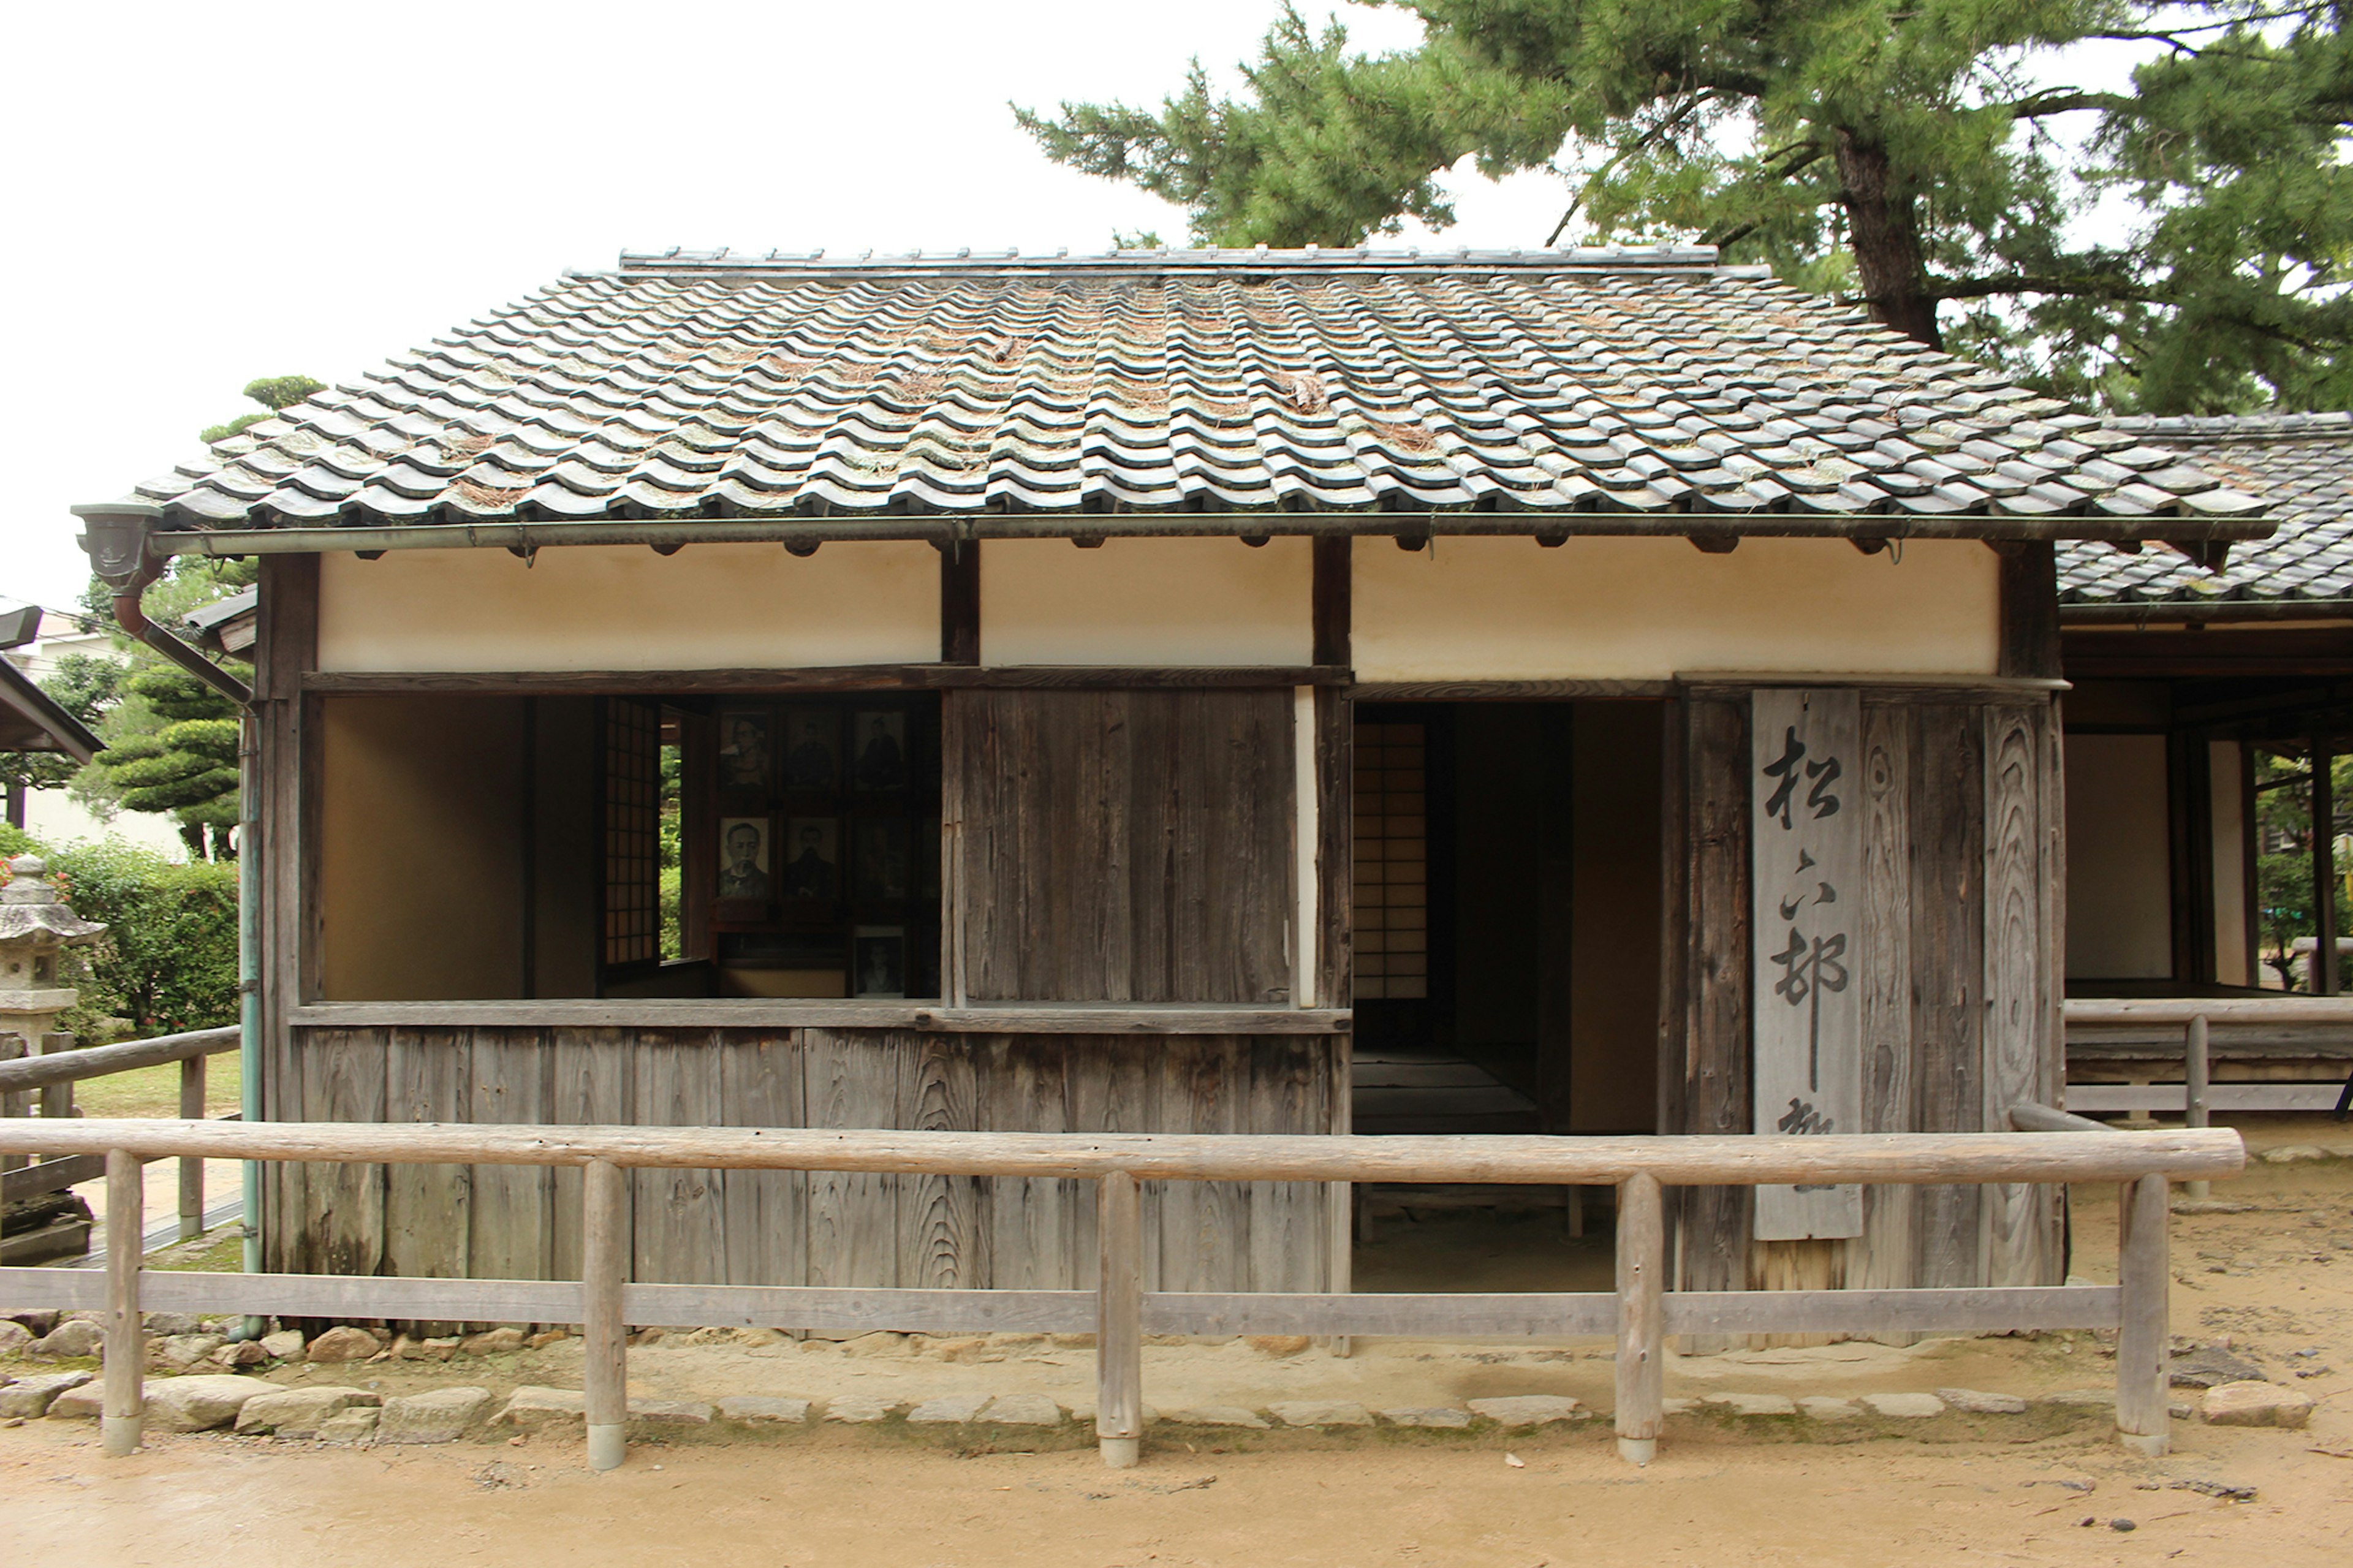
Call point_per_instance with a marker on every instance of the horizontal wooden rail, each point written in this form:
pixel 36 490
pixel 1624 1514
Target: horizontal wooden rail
pixel 2028 1116
pixel 97 1061
pixel 1640 1312
pixel 759 1013
pixel 2176 1011
pixel 1530 1314
pixel 1891 1157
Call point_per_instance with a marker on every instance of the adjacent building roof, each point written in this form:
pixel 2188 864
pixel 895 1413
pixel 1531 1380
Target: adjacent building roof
pixel 2302 463
pixel 1549 391
pixel 31 721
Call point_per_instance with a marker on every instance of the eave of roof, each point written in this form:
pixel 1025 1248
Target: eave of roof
pixel 1241 392
pixel 2302 464
pixel 31 721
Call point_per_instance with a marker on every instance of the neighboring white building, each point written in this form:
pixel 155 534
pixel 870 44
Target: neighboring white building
pixel 54 815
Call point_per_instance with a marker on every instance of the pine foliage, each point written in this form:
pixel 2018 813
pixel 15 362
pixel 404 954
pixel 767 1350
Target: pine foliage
pixel 1908 154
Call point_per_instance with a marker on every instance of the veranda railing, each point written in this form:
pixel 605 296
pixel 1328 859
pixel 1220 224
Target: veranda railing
pixel 1640 1312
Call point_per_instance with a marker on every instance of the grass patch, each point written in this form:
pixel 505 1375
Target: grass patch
pixel 220 1251
pixel 155 1092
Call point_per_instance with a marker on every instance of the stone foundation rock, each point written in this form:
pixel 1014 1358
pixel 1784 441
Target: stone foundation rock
pixel 32 1396
pixel 441 1416
pixel 300 1412
pixel 1529 1409
pixel 2248 1404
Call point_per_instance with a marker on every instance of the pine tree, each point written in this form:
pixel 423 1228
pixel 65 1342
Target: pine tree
pixel 1899 152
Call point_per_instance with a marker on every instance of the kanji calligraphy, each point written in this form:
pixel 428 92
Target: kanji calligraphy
pixel 1807 865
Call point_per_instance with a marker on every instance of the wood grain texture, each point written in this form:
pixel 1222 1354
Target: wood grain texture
pixel 343 1079
pixel 1947 797
pixel 512 1231
pixel 2019 1244
pixel 679 1235
pixel 1714 1232
pixel 1126 846
pixel 853 1218
pixel 750 1013
pixel 1335 855
pixel 1882 1256
pixel 428 1209
pixel 762 1084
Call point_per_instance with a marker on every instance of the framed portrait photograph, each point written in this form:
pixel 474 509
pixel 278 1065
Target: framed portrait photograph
pixel 878 961
pixel 746 754
pixel 881 859
pixel 877 749
pixel 745 881
pixel 812 751
pixel 812 858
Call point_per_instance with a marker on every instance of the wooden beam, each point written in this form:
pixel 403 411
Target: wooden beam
pixel 124 1370
pixel 2029 610
pixel 2144 1280
pixel 839 678
pixel 1119 1332
pixel 1979 1309
pixel 1746 1161
pixel 1507 690
pixel 1642 1324
pixel 960 603
pixel 753 1013
pixel 1332 599
pixel 2323 867
pixel 603 1270
pixel 97 1061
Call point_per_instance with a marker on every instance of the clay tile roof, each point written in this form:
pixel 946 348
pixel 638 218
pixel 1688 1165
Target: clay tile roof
pixel 1652 382
pixel 2302 464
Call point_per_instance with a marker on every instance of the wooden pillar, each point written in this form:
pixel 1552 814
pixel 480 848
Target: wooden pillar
pixel 2324 868
pixel 2142 1417
pixel 2196 1071
pixel 603 1266
pixel 122 1410
pixel 1642 1317
pixel 2029 609
pixel 1119 1322
pixel 960 602
pixel 192 1171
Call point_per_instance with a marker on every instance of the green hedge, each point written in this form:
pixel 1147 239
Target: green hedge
pixel 168 960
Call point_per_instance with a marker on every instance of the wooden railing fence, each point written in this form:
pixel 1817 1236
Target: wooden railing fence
pixel 52 1074
pixel 1640 1312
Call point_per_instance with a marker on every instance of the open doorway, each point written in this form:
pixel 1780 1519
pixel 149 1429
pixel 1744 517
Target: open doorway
pixel 1507 920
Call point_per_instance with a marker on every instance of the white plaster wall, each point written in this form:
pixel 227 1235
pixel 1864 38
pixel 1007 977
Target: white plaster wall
pixel 1165 601
pixel 2119 891
pixel 709 606
pixel 2231 912
pixel 1645 609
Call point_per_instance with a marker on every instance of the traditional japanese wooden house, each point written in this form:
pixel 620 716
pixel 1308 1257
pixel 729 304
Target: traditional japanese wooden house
pixel 2183 671
pixel 1100 691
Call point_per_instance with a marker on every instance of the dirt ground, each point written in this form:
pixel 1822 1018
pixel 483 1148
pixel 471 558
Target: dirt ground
pixel 2274 1278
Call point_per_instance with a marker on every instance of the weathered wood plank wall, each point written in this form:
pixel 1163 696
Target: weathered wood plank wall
pixel 1961 899
pixel 1123 846
pixel 768 1227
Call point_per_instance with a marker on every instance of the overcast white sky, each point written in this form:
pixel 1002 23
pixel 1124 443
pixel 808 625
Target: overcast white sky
pixel 203 195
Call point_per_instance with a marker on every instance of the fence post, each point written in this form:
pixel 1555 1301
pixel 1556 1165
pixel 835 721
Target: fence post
pixel 58 1098
pixel 604 1264
pixel 1119 1321
pixel 2197 1073
pixel 122 1410
pixel 1641 1316
pixel 192 1171
pixel 2142 1270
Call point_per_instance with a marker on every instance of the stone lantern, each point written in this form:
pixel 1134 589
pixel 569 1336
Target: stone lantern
pixel 36 928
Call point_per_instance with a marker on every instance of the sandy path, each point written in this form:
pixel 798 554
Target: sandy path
pixel 815 1503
